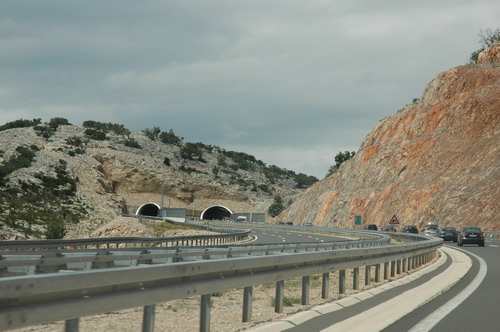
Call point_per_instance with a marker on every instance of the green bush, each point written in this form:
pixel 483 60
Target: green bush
pixel 192 151
pixel 74 140
pixel 44 131
pixel 132 143
pixel 106 127
pixel 54 123
pixel 152 134
pixel 22 159
pixel 95 134
pixel 21 123
pixel 170 138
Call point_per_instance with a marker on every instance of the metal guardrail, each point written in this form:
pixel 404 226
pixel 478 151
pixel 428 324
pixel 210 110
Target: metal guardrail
pixel 44 298
pixel 227 235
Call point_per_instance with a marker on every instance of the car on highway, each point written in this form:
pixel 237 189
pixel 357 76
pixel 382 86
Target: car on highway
pixel 431 231
pixel 310 224
pixel 390 228
pixel 470 235
pixel 371 227
pixel 448 234
pixel 410 229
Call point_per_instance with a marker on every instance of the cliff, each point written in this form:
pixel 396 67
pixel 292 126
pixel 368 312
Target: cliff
pixel 438 159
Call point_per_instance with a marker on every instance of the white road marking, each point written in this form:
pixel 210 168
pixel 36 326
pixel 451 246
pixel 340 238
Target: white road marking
pixel 493 245
pixel 430 321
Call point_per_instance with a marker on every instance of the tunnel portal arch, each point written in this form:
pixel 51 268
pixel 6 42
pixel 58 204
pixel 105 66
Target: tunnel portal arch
pixel 148 209
pixel 216 212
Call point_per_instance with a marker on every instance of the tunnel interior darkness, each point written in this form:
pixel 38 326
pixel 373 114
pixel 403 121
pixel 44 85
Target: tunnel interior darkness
pixel 216 212
pixel 148 209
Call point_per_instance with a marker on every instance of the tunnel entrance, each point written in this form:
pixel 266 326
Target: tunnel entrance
pixel 216 212
pixel 148 209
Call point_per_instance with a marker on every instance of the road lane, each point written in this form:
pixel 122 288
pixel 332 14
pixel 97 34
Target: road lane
pixel 479 311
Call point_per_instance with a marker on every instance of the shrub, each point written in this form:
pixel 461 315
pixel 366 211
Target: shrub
pixel 44 131
pixel 132 143
pixel 54 123
pixel 106 127
pixel 95 134
pixel 170 138
pixel 21 123
pixel 277 207
pixel 74 140
pixel 152 134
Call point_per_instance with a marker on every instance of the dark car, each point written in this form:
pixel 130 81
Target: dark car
pixel 371 227
pixel 289 223
pixel 448 234
pixel 390 228
pixel 410 229
pixel 470 235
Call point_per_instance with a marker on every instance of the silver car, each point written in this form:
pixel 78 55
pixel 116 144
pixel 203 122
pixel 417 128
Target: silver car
pixel 431 231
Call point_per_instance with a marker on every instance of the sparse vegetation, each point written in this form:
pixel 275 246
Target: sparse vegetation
pixel 339 159
pixel 132 143
pixel 487 38
pixel 277 207
pixel 43 207
pixel 118 129
pixel 95 134
pixel 21 123
pixel 170 138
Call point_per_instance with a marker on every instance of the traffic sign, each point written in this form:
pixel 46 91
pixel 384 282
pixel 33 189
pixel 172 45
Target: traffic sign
pixel 394 220
pixel 357 220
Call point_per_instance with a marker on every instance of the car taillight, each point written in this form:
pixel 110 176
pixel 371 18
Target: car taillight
pixel 481 235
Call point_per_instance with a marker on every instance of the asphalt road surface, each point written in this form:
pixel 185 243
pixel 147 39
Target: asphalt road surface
pixel 271 236
pixel 479 311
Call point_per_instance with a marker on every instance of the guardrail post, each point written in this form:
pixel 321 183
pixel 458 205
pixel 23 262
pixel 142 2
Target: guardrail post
pixel 367 275
pixel 206 303
pixel 305 290
pixel 72 325
pixel 325 286
pixel 355 278
pixel 247 303
pixel 377 273
pixel 386 270
pixel 341 281
pixel 148 318
pixel 280 293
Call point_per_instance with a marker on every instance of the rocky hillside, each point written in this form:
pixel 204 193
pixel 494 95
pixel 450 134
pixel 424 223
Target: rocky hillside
pixel 60 179
pixel 437 159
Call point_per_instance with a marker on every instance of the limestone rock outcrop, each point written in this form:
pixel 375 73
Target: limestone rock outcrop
pixel 438 159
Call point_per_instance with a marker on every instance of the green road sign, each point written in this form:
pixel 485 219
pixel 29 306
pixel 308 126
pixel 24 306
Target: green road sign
pixel 357 220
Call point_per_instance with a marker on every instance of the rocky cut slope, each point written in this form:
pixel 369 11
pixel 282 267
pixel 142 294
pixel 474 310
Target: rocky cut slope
pixel 437 159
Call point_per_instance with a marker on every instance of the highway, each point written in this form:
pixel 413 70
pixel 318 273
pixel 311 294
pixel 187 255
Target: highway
pixel 460 293
pixel 477 312
pixel 271 236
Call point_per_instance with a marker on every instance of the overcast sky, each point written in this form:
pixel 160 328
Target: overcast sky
pixel 291 82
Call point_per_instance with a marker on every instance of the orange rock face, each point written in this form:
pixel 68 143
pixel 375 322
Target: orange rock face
pixel 436 160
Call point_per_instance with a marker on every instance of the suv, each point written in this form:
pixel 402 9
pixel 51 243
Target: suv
pixel 472 235
pixel 371 227
pixel 410 229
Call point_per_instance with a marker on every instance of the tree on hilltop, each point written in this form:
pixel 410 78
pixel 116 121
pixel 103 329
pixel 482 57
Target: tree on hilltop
pixel 487 38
